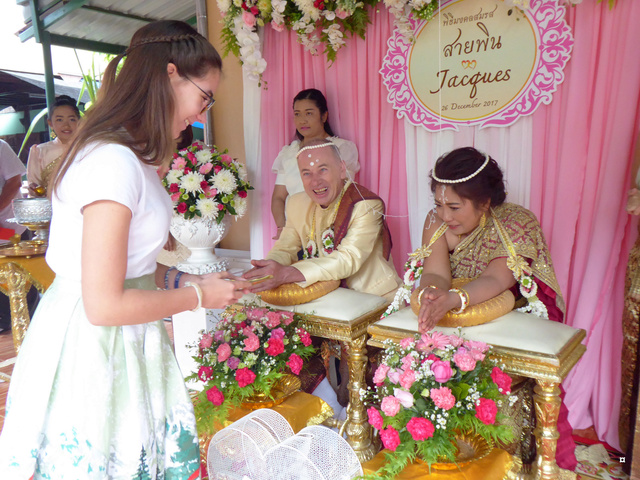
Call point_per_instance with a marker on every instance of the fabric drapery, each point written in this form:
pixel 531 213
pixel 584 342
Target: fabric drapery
pixel 568 163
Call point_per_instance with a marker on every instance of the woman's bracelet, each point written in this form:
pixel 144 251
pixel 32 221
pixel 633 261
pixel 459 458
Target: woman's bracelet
pixel 166 277
pixel 198 293
pixel 464 299
pixel 422 291
pixel 176 281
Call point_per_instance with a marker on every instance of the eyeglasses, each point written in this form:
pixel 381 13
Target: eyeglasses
pixel 212 100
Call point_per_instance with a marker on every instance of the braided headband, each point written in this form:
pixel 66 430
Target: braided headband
pixel 311 147
pixel 163 39
pixel 460 180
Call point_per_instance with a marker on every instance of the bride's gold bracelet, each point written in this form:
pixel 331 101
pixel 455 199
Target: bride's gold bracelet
pixel 422 291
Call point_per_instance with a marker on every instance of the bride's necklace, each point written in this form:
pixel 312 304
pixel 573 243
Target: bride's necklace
pixel 328 236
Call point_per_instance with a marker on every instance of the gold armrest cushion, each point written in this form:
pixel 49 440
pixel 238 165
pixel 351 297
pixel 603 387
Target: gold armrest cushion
pixel 294 294
pixel 475 314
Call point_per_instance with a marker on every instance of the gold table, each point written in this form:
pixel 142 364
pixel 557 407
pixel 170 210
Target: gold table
pixel 344 315
pixel 528 346
pixel 17 274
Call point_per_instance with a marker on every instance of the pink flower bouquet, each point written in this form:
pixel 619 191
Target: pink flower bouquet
pixel 430 388
pixel 248 352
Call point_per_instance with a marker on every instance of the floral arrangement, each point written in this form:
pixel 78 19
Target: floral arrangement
pixel 315 22
pixel 207 183
pixel 250 350
pixel 430 388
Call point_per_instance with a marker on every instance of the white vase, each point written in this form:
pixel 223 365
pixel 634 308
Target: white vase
pixel 200 236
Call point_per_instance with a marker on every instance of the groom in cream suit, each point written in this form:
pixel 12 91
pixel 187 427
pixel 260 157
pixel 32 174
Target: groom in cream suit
pixel 338 224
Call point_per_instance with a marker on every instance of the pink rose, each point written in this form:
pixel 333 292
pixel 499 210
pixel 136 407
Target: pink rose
pixel 486 411
pixel 206 341
pixel 455 340
pixel 341 14
pixel 464 360
pixel 224 158
pixel 477 355
pixel 287 317
pixel 483 347
pixel 390 406
pixel 278 27
pixel 406 342
pixel 218 336
pixel 233 362
pixel 249 19
pixel 251 343
pixel 217 169
pixel 380 375
pixel 375 419
pixel 278 333
pixel 205 373
pixel 192 157
pixel 407 379
pixel 420 428
pixel 443 398
pixel 407 362
pixel 502 380
pixel 442 371
pixel 182 207
pixel 215 396
pixel 295 363
pixel 245 377
pixel 206 168
pixel 224 352
pixel 390 438
pixel 220 206
pixel 273 319
pixel 394 375
pixel 305 338
pixel 405 398
pixel 173 188
pixel 175 197
pixel 275 347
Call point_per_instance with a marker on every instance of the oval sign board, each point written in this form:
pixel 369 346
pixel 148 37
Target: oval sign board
pixel 477 62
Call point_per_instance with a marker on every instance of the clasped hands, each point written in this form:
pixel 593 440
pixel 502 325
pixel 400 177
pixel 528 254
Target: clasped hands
pixel 434 304
pixel 268 274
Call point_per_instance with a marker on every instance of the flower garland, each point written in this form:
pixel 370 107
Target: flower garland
pixel 318 22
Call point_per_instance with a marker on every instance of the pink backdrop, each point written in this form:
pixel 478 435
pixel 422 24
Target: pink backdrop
pixel 581 157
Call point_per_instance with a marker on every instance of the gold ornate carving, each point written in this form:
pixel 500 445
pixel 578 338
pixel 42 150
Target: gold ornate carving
pixel 547 403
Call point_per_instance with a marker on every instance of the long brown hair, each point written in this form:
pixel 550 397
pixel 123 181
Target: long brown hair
pixel 136 107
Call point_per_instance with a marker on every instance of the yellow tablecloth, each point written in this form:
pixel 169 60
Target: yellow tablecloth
pixel 497 465
pixel 36 269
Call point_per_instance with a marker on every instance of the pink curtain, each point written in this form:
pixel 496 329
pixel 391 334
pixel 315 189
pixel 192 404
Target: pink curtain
pixel 358 111
pixel 582 150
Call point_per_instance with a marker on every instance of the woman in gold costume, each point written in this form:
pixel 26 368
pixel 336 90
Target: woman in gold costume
pixel 44 158
pixel 631 323
pixel 474 234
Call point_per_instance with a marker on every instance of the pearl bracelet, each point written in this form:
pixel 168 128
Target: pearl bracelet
pixel 198 293
pixel 464 299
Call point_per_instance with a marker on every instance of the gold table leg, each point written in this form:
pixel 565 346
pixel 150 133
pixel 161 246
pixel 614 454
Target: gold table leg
pixel 547 403
pixel 17 290
pixel 357 427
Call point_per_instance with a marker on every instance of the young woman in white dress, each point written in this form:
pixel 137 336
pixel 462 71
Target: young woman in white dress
pixel 96 391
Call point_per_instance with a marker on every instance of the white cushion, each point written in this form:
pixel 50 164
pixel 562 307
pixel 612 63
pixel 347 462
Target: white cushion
pixel 341 304
pixel 517 330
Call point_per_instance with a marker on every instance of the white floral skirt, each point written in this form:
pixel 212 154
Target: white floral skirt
pixel 88 402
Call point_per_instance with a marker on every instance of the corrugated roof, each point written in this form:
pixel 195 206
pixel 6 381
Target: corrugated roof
pixel 101 25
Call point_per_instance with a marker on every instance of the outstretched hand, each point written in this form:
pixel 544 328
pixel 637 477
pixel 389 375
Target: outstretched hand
pixel 434 304
pixel 268 274
pixel 222 289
